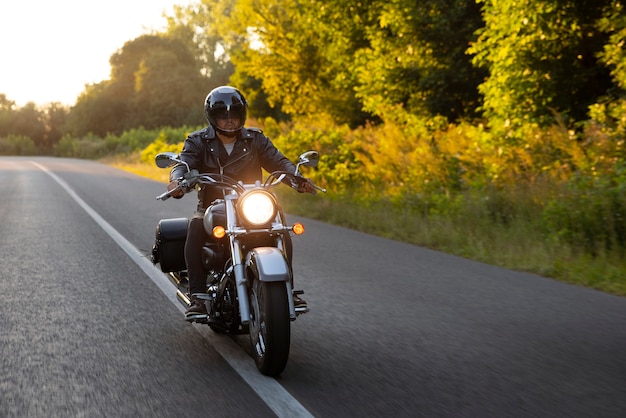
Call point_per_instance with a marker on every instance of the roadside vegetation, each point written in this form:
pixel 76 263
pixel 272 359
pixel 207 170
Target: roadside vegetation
pixel 492 130
pixel 568 227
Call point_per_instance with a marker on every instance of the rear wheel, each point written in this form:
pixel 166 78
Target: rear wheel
pixel 269 326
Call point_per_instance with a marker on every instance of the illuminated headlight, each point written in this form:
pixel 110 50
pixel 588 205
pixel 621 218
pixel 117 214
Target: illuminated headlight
pixel 257 208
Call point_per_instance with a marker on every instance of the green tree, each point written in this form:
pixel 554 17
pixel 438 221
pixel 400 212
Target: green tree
pixel 167 92
pixel 56 116
pixel 542 58
pixel 99 109
pixel 29 121
pixel 194 26
pixel 355 60
pixel 154 82
pixel 257 99
pixel 415 58
pixel 610 111
pixel 284 48
pixel 42 126
pixel 7 107
pixel 161 78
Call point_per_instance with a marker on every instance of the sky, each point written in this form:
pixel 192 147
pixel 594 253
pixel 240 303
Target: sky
pixel 50 49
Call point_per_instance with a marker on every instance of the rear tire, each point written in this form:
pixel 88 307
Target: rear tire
pixel 270 330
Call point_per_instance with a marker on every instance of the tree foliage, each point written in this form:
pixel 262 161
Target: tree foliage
pixel 542 59
pixel 41 126
pixel 513 64
pixel 154 82
pixel 415 58
pixel 282 45
pixel 194 26
pixel 610 111
pixel 356 60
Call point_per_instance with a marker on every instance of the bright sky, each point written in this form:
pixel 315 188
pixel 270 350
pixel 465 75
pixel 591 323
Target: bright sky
pixel 49 49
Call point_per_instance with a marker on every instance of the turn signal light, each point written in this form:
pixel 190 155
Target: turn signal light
pixel 219 232
pixel 298 228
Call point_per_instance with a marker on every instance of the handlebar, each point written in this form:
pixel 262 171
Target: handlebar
pixel 277 177
pixel 191 179
pixel 165 196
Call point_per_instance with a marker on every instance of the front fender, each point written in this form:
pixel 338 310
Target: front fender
pixel 268 264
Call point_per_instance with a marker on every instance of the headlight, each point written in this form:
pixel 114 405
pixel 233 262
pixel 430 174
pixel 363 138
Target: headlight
pixel 257 208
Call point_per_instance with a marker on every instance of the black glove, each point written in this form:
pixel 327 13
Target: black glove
pixel 305 185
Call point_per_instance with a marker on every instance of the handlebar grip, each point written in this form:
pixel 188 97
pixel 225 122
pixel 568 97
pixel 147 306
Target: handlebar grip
pixel 164 196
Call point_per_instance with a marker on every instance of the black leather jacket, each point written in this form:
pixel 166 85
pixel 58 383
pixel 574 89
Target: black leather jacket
pixel 253 151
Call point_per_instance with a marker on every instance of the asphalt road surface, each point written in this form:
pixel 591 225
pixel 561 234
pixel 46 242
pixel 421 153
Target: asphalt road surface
pixel 89 328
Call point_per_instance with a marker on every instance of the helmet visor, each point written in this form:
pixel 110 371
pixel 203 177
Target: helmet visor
pixel 235 112
pixel 228 118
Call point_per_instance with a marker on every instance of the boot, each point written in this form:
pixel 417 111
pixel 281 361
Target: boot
pixel 197 309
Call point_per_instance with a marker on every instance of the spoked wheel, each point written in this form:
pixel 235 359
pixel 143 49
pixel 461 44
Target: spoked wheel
pixel 269 326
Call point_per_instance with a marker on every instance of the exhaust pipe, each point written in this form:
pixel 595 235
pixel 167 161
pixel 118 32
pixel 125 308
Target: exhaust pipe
pixel 183 298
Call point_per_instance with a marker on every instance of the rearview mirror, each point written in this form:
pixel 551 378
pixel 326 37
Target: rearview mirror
pixel 166 159
pixel 310 159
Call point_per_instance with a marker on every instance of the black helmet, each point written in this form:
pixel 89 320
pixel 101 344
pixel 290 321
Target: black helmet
pixel 223 102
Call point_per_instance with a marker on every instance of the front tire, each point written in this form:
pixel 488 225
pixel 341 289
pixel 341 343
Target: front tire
pixel 270 330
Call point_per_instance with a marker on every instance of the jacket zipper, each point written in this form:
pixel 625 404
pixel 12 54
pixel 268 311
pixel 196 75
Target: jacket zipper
pixel 222 167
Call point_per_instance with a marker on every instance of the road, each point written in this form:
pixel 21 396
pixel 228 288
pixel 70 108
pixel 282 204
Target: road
pixel 89 328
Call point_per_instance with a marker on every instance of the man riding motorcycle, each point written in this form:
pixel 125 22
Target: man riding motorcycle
pixel 225 147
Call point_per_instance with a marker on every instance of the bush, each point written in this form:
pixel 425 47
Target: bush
pixel 140 138
pixel 159 145
pixel 590 215
pixel 88 147
pixel 17 145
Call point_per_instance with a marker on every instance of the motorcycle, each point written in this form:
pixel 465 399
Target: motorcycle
pixel 249 275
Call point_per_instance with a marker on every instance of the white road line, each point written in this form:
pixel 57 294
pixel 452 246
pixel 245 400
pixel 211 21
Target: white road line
pixel 273 394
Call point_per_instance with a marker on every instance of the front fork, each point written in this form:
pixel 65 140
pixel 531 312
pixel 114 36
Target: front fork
pixel 269 264
pixel 275 260
pixel 281 273
pixel 240 281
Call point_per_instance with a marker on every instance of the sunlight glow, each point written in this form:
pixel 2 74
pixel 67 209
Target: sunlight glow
pixel 49 50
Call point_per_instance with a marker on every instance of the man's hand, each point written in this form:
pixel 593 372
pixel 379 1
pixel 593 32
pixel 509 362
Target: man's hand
pixel 178 193
pixel 306 186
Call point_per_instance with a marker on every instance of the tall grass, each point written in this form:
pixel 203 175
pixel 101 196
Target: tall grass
pixel 517 241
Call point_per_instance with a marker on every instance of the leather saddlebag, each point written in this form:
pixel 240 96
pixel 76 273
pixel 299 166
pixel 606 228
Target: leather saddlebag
pixel 169 245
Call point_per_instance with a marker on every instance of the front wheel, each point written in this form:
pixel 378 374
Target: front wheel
pixel 269 326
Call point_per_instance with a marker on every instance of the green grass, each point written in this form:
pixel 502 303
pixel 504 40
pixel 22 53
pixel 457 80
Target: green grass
pixel 517 245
